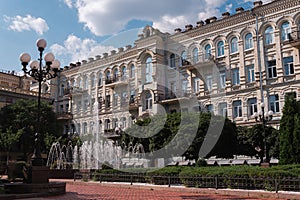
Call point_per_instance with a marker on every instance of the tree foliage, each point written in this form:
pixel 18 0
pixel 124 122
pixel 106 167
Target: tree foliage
pixel 290 132
pixel 20 119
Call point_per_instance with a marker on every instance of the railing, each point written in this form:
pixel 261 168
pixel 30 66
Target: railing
pixel 294 36
pixel 217 182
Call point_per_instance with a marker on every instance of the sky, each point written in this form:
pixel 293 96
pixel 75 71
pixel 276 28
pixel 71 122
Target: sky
pixel 79 29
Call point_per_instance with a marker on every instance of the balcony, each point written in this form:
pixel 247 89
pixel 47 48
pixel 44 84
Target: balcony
pixel 294 39
pixel 116 81
pixel 64 116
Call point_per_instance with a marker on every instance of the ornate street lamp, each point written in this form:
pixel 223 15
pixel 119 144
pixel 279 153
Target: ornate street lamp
pixel 41 74
pixel 264 117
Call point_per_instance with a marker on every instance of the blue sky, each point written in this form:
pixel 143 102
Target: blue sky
pixel 79 29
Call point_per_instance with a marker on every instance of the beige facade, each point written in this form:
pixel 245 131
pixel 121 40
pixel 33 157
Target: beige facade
pixel 220 65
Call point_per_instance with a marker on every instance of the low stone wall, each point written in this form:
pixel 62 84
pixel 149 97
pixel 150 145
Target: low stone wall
pixel 62 173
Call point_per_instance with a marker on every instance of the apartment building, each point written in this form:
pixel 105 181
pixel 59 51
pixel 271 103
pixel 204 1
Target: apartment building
pixel 227 66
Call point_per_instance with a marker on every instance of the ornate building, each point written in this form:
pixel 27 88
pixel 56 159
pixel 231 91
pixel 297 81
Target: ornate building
pixel 229 66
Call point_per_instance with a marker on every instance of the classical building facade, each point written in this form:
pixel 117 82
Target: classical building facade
pixel 228 66
pixel 14 86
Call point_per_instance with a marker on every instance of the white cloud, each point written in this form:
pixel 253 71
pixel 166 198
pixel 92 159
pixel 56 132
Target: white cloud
pixel 27 23
pixel 69 3
pixel 105 17
pixel 77 49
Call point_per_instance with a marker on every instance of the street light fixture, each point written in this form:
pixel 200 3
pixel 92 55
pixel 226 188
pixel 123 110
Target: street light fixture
pixel 264 117
pixel 41 74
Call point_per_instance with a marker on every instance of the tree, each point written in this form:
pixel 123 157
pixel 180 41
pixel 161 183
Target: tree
pixel 21 117
pixel 290 132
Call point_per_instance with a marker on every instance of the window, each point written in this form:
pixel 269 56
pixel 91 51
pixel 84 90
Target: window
pixel 269 35
pixel 124 73
pixel 132 71
pixel 288 65
pixel 172 88
pixel 237 109
pixel 220 51
pixel 285 31
pixel 207 51
pixel 222 82
pixel 234 45
pixel 274 103
pixel 116 75
pixel 79 83
pixel 100 80
pixel 86 83
pixel 107 124
pixel 62 90
pixel 250 73
pixel 93 78
pixel 252 106
pixel 183 58
pixel 195 55
pixel 197 85
pixel 148 101
pixel 210 108
pixel 172 61
pixel 248 41
pixel 115 99
pixel 107 101
pixel 222 109
pixel 272 73
pixel 149 70
pixel 108 76
pixel 78 107
pixel 236 76
pixel 208 82
pixel 184 84
pixel 85 126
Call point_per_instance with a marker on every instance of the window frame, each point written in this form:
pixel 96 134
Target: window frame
pixel 234 45
pixel 248 41
pixel 220 49
pixel 237 110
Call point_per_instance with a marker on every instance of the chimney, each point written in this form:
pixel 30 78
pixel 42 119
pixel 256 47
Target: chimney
pixel 207 21
pixel 257 3
pixel 128 47
pixel 239 10
pixel 112 52
pixel 120 49
pixel 97 57
pixel 91 59
pixel 200 23
pixel 105 55
pixel 78 63
pixel 188 27
pixel 225 15
pixel 177 30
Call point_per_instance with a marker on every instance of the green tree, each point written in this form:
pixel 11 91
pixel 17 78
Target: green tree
pixel 21 118
pixel 289 132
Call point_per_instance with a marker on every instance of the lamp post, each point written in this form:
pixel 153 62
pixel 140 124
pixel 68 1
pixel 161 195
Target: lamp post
pixel 41 74
pixel 264 117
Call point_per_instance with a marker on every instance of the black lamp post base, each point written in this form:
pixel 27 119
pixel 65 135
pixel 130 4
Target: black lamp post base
pixel 38 174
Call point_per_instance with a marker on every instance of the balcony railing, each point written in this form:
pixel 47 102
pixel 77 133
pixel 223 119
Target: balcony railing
pixel 294 38
pixel 63 115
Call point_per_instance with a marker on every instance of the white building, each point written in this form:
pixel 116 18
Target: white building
pixel 218 62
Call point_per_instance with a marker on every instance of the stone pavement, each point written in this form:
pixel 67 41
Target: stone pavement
pixel 120 191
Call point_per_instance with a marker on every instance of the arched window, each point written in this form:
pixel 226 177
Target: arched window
pixel 220 50
pixel 248 41
pixel 149 69
pixel 285 31
pixel 116 74
pixel 183 57
pixel 195 55
pixel 86 83
pixel 269 35
pixel 148 101
pixel 93 79
pixel 207 50
pixel 234 45
pixel 124 73
pixel 107 77
pixel 100 79
pixel 79 83
pixel 132 71
pixel 172 60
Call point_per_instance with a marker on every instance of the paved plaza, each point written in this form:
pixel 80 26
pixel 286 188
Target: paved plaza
pixel 92 190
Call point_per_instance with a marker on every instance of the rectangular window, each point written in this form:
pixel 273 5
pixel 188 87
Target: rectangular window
pixel 236 76
pixel 252 106
pixel 208 83
pixel 223 109
pixel 288 66
pixel 250 73
pixel 222 82
pixel 115 99
pixel 197 85
pixel 237 109
pixel 184 86
pixel 272 73
pixel 107 101
pixel 210 108
pixel 274 103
